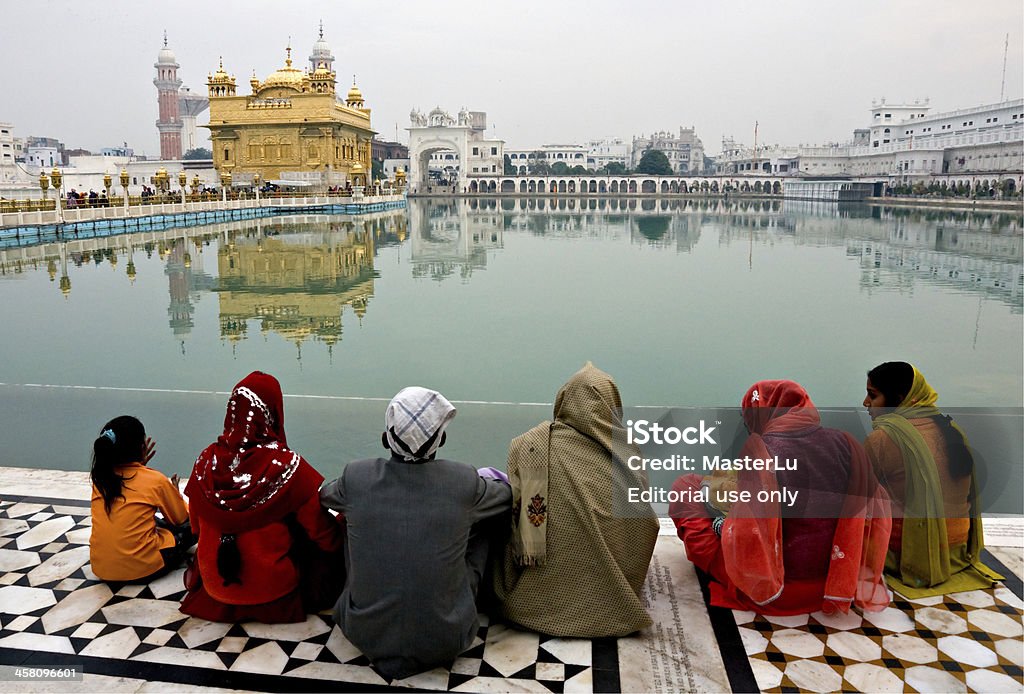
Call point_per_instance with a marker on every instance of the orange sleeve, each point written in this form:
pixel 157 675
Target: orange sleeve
pixel 170 501
pixel 320 525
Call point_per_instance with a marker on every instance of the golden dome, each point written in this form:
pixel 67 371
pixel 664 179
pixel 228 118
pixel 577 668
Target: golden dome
pixel 221 75
pixel 287 76
pixel 354 94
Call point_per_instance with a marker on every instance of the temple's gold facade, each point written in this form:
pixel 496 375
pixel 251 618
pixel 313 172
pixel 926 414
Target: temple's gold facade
pixel 291 122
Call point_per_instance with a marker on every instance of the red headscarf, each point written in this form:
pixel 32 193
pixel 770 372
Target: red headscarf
pixel 249 477
pixel 752 534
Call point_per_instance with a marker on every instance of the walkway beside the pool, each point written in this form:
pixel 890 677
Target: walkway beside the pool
pixel 54 612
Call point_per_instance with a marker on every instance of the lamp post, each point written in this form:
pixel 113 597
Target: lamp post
pixel 225 183
pixel 44 184
pixel 124 185
pixel 107 182
pixel 256 183
pixel 163 182
pixel 182 181
pixel 57 180
pixel 195 184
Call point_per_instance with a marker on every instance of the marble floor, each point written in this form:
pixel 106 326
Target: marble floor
pixel 54 612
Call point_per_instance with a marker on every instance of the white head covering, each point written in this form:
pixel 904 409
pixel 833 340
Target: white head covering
pixel 415 417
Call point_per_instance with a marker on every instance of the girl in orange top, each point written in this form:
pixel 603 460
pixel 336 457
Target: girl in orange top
pixel 128 541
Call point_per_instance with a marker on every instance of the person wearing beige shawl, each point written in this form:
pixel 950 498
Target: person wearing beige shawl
pixel 574 566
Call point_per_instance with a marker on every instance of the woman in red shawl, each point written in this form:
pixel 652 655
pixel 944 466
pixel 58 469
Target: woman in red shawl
pixel 824 552
pixel 264 539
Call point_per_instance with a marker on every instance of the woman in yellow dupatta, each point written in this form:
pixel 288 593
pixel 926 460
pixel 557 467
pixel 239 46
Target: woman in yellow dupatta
pixel 923 458
pixel 575 565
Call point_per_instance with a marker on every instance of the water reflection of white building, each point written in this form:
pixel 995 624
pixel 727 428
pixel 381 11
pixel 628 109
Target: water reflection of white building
pixel 448 238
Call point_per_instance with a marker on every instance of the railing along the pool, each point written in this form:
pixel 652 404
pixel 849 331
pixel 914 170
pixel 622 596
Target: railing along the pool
pixel 45 223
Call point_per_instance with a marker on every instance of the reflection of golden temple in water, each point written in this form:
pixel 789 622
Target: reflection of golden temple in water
pixel 296 285
pixel 294 274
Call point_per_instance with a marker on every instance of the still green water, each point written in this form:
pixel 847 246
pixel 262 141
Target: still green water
pixel 495 303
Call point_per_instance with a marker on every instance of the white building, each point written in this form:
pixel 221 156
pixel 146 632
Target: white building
pixel 902 142
pixel 685 151
pixel 439 133
pixel 611 150
pixel 8 154
pixel 526 159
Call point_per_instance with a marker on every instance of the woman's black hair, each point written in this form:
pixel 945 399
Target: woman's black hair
pixel 121 441
pixel 893 379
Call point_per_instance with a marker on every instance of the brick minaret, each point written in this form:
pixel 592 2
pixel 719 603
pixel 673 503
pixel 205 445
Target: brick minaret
pixel 168 84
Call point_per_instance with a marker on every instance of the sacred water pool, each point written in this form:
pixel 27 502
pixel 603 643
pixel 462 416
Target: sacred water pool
pixel 495 302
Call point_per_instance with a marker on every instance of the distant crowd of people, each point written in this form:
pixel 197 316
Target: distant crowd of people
pixel 409 547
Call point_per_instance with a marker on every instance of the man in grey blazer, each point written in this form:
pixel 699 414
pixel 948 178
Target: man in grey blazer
pixel 416 549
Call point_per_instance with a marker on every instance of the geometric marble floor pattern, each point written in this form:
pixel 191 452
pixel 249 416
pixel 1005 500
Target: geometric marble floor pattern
pixel 54 612
pixel 969 641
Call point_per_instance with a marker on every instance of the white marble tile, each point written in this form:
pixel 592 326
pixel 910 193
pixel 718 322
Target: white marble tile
pixel 852 646
pixel 572 651
pixel 753 641
pixel 550 671
pixel 796 620
pixel 140 612
pixel 813 676
pixel 509 650
pixel 890 619
pixel 1003 532
pixel 431 679
pixel 355 674
pixel 928 679
pixel 175 688
pixel 12 526
pixel 466 666
pixel 20 600
pixel 299 631
pixel 59 566
pixel 912 649
pixel 7 579
pixel 88 630
pixel 87 572
pixel 236 644
pixel 304 651
pixel 743 616
pixel 79 536
pixel 55 484
pixel 266 659
pixel 132 590
pixel 497 685
pixel 974 598
pixel 158 637
pixel 21 623
pixel 43 643
pixel 15 560
pixel 1004 595
pixel 940 620
pixel 967 651
pixel 168 584
pixel 995 623
pixel 580 683
pixel 1012 650
pixel 797 643
pixel 989 681
pixel 76 607
pixel 195 632
pixel 871 678
pixel 100 684
pixel 23 508
pixel 44 533
pixel 766 674
pixel 929 601
pixel 71 510
pixel 69 584
pixel 838 620
pixel 341 647
pixel 39 517
pixel 117 644
pixel 181 656
pixel 1011 557
pixel 53 547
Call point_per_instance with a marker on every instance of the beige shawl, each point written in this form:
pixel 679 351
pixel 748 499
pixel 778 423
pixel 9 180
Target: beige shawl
pixel 576 563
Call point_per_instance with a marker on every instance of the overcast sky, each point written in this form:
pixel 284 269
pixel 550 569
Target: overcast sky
pixel 559 71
